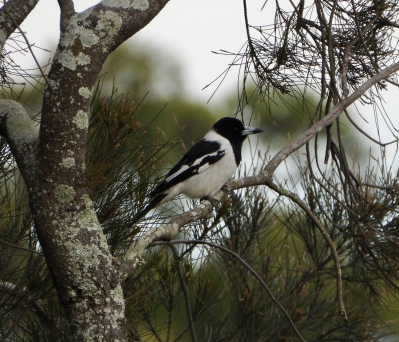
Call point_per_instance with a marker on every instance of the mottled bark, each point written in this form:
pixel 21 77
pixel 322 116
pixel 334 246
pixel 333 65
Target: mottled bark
pixel 12 15
pixel 52 162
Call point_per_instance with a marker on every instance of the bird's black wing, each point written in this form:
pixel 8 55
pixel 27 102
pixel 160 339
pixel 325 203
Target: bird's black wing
pixel 154 202
pixel 203 154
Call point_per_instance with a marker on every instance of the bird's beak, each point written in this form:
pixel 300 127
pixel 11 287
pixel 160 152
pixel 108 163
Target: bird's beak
pixel 251 130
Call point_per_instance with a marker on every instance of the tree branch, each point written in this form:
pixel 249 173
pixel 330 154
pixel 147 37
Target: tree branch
pixel 22 136
pixel 67 227
pixel 119 20
pixel 67 10
pixel 334 113
pixel 19 247
pixel 133 258
pixel 7 25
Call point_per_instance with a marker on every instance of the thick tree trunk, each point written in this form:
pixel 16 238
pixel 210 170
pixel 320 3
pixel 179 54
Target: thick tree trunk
pixel 52 163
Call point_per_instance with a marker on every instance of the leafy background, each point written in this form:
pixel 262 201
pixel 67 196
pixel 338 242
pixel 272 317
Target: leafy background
pixel 142 121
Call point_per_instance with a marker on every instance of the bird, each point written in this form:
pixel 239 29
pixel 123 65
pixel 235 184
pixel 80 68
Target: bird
pixel 206 167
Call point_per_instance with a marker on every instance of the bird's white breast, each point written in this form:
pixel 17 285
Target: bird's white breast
pixel 210 178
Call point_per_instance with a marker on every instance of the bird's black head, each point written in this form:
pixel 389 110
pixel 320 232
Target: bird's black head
pixel 233 130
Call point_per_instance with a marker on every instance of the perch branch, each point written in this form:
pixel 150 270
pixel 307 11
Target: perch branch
pixel 132 257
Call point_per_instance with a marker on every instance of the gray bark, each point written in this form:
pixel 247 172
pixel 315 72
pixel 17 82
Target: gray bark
pixel 52 160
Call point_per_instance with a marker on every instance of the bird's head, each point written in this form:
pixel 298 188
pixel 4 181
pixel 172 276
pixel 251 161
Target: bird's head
pixel 233 129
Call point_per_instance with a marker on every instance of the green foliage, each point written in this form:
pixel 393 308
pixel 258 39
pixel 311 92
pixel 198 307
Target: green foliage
pixel 122 156
pixel 125 154
pixel 130 142
pixel 138 68
pixel 291 256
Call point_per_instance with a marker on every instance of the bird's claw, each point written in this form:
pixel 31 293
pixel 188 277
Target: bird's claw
pixel 225 188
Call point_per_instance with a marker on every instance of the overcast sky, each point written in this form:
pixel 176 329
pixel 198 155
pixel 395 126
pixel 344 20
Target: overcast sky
pixel 188 29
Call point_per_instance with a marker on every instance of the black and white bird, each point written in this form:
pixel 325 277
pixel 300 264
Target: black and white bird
pixel 206 167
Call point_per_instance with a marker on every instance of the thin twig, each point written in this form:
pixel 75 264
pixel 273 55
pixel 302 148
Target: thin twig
pixel 18 247
pixel 23 292
pixel 250 269
pixel 28 44
pixel 185 291
pixel 319 225
pixel 366 134
pixel 348 48
pixel 328 119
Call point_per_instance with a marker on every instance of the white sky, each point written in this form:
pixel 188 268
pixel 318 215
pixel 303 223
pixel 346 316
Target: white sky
pixel 187 29
pixel 190 30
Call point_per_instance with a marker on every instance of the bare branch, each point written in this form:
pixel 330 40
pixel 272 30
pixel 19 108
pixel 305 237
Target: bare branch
pixel 28 45
pixel 368 135
pixel 19 247
pixel 132 257
pixel 324 122
pixel 67 10
pixel 22 135
pixel 8 26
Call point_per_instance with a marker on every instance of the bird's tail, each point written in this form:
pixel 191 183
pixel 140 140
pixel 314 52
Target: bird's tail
pixel 154 202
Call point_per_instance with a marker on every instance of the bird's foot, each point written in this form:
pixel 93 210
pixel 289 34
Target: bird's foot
pixel 225 188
